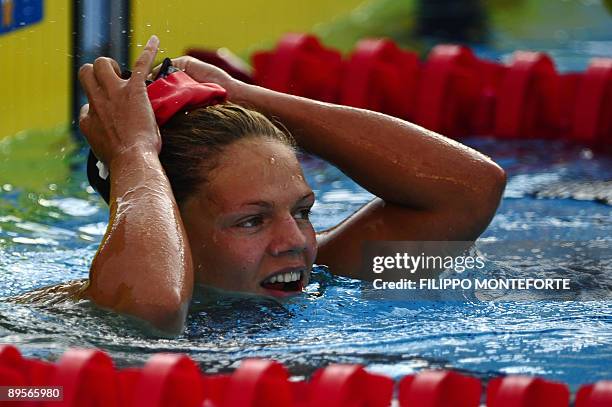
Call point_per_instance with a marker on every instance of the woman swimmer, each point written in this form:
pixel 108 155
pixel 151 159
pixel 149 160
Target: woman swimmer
pixel 219 198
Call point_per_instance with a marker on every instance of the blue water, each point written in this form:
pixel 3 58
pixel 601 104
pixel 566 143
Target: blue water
pixel 569 341
pixel 51 238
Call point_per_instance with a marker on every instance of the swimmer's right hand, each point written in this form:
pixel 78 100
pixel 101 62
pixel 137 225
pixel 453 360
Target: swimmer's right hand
pixel 119 116
pixel 203 72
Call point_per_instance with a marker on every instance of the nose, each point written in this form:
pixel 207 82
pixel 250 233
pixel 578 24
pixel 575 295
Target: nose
pixel 287 238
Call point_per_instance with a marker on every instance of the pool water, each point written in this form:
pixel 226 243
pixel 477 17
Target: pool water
pixel 556 192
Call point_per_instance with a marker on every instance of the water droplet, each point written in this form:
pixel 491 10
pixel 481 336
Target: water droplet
pixel 148 25
pixel 586 154
pixel 272 160
pixel 123 31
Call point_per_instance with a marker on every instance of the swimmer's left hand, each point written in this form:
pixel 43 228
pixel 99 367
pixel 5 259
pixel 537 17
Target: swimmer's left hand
pixel 119 116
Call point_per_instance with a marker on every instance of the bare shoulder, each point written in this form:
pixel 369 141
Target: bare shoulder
pixel 66 292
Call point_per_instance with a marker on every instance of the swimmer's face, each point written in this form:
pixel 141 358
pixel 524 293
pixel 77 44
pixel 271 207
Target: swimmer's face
pixel 249 225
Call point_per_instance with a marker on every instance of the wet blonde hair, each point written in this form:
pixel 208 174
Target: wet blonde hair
pixel 193 141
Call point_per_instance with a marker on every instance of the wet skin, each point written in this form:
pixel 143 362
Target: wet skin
pixel 427 187
pixel 250 221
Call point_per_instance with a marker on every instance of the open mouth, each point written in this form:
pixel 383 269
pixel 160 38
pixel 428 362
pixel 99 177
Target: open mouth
pixel 291 281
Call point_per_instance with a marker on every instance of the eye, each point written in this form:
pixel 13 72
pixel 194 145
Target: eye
pixel 250 222
pixel 304 214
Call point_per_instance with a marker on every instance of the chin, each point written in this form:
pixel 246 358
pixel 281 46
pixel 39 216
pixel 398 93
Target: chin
pixel 279 293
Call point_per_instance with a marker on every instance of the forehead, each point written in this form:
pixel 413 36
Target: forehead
pixel 256 170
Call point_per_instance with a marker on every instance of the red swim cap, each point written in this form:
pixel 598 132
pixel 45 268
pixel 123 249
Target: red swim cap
pixel 178 92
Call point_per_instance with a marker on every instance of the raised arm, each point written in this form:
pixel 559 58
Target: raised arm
pixel 143 265
pixel 429 187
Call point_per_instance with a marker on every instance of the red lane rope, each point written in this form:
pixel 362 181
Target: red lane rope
pixel 452 92
pixel 88 377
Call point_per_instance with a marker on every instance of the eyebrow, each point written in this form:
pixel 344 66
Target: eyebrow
pixel 265 204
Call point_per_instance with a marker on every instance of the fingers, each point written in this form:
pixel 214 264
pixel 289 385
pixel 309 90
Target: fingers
pixel 90 83
pixel 154 72
pixel 90 124
pixel 143 64
pixel 87 118
pixel 87 114
pixel 107 74
pixel 116 67
pixel 99 79
pixel 84 112
pixel 179 63
pixel 84 123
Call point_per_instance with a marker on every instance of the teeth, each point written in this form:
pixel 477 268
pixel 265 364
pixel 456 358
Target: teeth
pixel 285 277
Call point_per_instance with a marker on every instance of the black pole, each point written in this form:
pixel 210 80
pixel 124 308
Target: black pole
pixel 120 32
pixel 464 21
pixel 75 90
pixel 99 28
